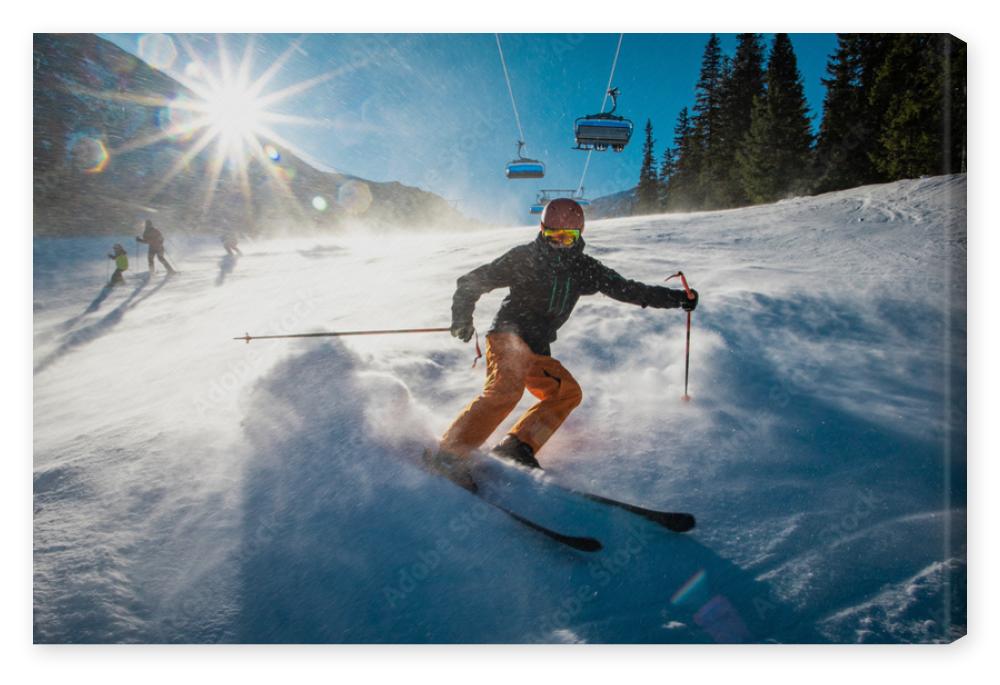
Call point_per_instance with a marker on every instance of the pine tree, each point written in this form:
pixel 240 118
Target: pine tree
pixel 954 55
pixel 756 160
pixel 872 49
pixel 777 154
pixel 744 84
pixel 843 144
pixel 682 184
pixel 917 86
pixel 648 190
pixel 707 122
pixel 668 165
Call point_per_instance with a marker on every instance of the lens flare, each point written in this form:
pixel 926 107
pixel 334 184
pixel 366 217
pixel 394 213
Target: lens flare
pixel 319 203
pixel 693 591
pixel 157 50
pixel 285 173
pixel 355 197
pixel 179 120
pixel 194 71
pixel 88 154
pixel 272 153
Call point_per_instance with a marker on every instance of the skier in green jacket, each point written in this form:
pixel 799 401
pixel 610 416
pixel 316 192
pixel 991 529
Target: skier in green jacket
pixel 121 265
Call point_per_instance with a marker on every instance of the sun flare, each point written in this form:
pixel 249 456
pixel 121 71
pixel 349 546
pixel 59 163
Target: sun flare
pixel 225 114
pixel 233 111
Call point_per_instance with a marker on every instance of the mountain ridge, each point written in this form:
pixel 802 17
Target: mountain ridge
pixel 94 104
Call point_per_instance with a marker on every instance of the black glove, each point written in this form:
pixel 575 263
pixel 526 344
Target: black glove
pixel 689 305
pixel 463 331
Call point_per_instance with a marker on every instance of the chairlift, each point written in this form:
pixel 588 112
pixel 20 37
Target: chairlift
pixel 547 195
pixel 604 129
pixel 522 167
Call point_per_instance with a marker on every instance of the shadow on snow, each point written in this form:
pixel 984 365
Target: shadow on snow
pixel 343 541
pixel 102 327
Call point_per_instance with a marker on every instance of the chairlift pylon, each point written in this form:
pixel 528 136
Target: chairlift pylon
pixel 604 129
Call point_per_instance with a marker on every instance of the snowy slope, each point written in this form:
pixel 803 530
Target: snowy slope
pixel 193 488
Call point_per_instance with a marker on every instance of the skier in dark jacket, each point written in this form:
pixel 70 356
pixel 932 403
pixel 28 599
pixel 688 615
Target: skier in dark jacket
pixel 546 278
pixel 152 237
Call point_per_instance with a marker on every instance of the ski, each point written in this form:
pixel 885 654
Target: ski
pixel 581 543
pixel 675 521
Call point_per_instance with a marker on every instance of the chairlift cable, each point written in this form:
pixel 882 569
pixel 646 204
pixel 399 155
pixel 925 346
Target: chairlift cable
pixel 604 102
pixel 614 65
pixel 510 90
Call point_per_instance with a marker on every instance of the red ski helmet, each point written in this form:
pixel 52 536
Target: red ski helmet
pixel 563 213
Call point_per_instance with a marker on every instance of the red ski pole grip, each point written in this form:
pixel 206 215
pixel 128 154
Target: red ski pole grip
pixel 684 282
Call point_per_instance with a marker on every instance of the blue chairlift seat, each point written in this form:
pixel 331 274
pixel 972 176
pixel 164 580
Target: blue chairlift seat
pixel 537 208
pixel 525 168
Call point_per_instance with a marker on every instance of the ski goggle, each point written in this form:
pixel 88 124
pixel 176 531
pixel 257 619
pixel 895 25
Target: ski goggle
pixel 562 236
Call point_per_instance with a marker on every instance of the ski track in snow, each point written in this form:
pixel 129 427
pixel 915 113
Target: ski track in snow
pixel 192 488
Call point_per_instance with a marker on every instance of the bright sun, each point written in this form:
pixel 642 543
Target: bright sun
pixel 227 114
pixel 236 116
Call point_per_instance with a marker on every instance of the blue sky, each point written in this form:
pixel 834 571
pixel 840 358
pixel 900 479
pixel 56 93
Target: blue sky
pixel 432 110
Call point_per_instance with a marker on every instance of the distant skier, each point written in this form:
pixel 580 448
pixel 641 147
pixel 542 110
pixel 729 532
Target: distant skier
pixel 121 265
pixel 546 278
pixel 152 237
pixel 230 241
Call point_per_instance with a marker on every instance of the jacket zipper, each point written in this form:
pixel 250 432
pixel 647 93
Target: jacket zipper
pixel 566 295
pixel 552 295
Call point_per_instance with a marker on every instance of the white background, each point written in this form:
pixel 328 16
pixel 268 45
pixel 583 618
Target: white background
pixel 966 660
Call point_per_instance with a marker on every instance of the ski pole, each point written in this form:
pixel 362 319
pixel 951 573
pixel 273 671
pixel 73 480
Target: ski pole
pixel 341 334
pixel 687 341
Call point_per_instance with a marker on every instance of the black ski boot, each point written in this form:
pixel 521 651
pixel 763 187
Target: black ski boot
pixel 452 467
pixel 512 449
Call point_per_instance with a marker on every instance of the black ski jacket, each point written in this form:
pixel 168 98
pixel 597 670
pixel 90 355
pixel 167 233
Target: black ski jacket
pixel 545 283
pixel 152 237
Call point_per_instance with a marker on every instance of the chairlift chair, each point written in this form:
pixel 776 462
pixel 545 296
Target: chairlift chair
pixel 546 195
pixel 604 129
pixel 523 167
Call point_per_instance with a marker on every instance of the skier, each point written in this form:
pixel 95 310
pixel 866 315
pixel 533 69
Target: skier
pixel 152 237
pixel 546 278
pixel 121 265
pixel 230 242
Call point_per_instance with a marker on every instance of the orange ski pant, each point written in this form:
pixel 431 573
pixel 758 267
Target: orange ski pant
pixel 511 367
